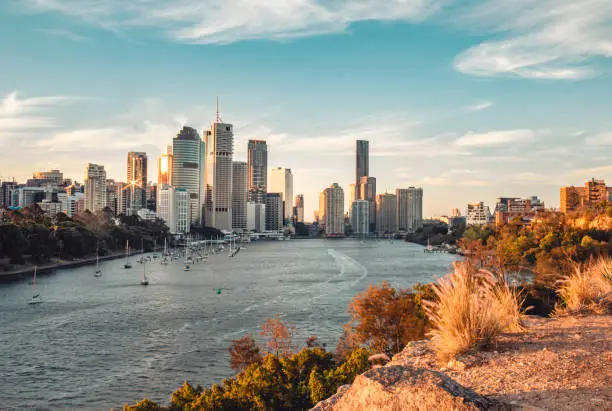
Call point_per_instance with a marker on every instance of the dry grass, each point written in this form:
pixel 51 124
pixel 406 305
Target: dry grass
pixel 471 310
pixel 589 289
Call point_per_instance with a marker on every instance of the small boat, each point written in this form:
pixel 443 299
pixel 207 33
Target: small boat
pixel 98 272
pixel 35 297
pixel 127 264
pixel 145 279
pixel 187 267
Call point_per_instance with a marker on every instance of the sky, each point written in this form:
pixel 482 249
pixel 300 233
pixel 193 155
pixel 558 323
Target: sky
pixel 471 100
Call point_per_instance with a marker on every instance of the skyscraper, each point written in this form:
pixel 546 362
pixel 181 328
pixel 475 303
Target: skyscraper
pixel 362 164
pixel 334 210
pixel 367 191
pixel 187 168
pixel 239 196
pixel 219 156
pixel 386 208
pixel 274 212
pixel 281 181
pixel 95 187
pixel 173 207
pixel 258 170
pixel 360 217
pixel 299 208
pixel 164 169
pixel 409 208
pixel 137 178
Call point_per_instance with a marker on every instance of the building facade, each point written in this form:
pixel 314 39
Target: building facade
pixel 257 153
pixel 334 210
pixel 362 165
pixel 187 168
pixel 137 178
pixel 239 195
pixel 477 214
pixel 409 208
pixel 219 158
pixel 360 217
pixel 164 169
pixel 95 187
pixel 274 212
pixel 386 209
pixel 281 181
pixel 594 192
pixel 367 191
pixel 299 208
pixel 174 208
pixel 256 217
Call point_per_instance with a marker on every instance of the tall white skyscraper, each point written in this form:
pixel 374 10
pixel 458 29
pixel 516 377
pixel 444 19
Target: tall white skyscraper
pixel 360 217
pixel 239 196
pixel 334 210
pixel 409 208
pixel 187 168
pixel 219 156
pixel 174 208
pixel 95 187
pixel 281 181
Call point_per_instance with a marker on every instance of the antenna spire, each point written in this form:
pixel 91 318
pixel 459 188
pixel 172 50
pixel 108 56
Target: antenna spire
pixel 218 118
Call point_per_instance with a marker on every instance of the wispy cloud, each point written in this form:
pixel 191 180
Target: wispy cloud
pixel 546 39
pixel 496 138
pixel 211 21
pixel 600 139
pixel 64 33
pixel 19 114
pixel 480 106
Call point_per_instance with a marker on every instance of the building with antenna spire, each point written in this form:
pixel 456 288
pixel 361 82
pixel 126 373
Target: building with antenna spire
pixel 219 172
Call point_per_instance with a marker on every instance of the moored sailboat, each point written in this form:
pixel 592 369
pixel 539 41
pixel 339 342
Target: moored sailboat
pixel 145 279
pixel 98 272
pixel 36 296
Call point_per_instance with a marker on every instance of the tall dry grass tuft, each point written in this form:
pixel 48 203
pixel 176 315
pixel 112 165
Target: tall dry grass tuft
pixel 589 289
pixel 472 308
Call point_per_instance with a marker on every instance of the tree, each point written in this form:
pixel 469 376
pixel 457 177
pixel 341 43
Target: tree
pixel 144 405
pixel 279 336
pixel 243 352
pixel 317 387
pixel 184 396
pixel 385 319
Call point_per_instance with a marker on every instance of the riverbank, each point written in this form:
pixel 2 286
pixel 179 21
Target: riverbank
pixel 27 270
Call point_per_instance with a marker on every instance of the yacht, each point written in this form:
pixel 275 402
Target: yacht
pixel 35 297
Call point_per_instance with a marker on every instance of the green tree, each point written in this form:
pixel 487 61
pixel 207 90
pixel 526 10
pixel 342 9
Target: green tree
pixel 317 387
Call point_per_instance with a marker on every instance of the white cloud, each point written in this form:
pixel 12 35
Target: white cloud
pixel 496 138
pixel 64 33
pixel 213 21
pixel 546 39
pixel 480 106
pixel 601 139
pixel 21 114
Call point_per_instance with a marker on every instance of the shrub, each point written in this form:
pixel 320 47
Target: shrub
pixel 472 308
pixel 589 289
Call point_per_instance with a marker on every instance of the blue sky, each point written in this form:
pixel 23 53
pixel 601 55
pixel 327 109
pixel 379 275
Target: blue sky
pixel 469 99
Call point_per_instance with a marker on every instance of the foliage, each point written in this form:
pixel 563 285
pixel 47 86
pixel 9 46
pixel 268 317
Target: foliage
pixel 588 289
pixel 32 233
pixel 144 405
pixel 279 336
pixel 385 319
pixel 243 352
pixel 471 310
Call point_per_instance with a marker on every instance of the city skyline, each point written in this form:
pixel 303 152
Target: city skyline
pixel 469 111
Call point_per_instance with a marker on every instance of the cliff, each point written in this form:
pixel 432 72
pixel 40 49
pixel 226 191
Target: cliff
pixel 555 364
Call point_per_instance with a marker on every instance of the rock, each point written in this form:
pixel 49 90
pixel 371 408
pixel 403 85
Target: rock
pixel 400 387
pixel 327 405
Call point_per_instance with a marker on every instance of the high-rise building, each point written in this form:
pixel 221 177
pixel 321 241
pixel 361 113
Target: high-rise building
pixel 456 212
pixel 174 208
pixel 274 212
pixel 7 188
pixel 386 209
pixel 352 195
pixel 258 170
pixel 281 181
pixel 334 210
pixel 55 177
pixel 299 208
pixel 362 165
pixel 477 213
pixel 95 187
pixel 164 169
pixel 187 169
pixel 219 157
pixel 409 208
pixel 256 217
pixel 112 196
pixel 360 217
pixel 239 195
pixel 137 178
pixel 367 191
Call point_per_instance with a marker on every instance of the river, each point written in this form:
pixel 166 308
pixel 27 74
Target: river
pixel 96 343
